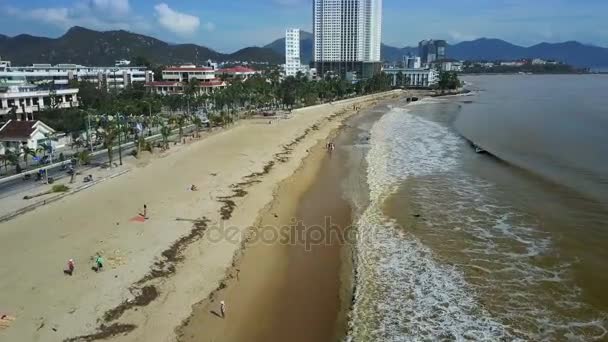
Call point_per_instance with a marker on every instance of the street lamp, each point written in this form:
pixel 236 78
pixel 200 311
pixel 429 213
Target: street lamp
pixel 118 119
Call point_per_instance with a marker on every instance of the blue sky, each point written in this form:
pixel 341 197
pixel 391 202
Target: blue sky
pixel 227 25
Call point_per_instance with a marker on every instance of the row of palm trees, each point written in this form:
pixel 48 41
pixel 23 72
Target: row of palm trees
pixel 256 93
pixel 267 92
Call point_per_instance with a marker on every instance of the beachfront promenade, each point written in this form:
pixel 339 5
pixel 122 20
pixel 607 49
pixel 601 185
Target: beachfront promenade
pixel 50 306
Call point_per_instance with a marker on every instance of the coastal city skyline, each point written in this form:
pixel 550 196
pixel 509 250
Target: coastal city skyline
pixel 320 186
pixel 230 26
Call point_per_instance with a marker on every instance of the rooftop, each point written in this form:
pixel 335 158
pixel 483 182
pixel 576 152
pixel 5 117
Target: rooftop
pixel 20 129
pixel 186 69
pixel 237 70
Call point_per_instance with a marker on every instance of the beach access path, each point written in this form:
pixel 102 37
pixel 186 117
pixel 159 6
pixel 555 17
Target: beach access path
pixel 50 306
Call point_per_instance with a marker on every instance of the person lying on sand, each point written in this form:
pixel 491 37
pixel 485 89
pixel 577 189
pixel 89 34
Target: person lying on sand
pixel 6 321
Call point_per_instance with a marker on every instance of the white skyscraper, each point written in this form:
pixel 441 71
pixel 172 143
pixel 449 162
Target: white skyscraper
pixel 292 52
pixel 347 31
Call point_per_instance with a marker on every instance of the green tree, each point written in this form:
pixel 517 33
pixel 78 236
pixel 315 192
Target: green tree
pixel 400 79
pixel 27 152
pixel 108 131
pixel 448 80
pixel 141 61
pixel 199 125
pixel 9 157
pixel 165 132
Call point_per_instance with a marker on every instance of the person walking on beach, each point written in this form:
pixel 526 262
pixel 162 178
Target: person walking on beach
pixel 145 214
pixel 223 309
pixel 70 270
pixel 98 263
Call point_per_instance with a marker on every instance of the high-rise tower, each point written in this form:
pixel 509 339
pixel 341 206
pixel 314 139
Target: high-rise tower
pixel 292 52
pixel 347 36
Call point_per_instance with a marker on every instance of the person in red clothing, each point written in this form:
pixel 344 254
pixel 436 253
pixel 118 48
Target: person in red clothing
pixel 70 270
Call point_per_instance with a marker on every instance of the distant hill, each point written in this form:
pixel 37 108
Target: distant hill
pixel 573 53
pixel 392 54
pixel 88 47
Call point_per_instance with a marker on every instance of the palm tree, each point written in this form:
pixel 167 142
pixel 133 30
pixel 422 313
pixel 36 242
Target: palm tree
pixel 4 160
pixel 9 157
pixel 165 131
pixel 180 121
pixel 77 143
pixel 27 151
pixel 108 133
pixel 199 125
pixel 47 145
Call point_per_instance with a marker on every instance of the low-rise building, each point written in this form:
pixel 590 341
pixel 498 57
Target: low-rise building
pixel 122 63
pixel 240 72
pixel 178 88
pixel 176 78
pixel 186 73
pixel 25 99
pixel 115 77
pixel 17 134
pixel 412 62
pixel 513 63
pixel 416 78
pixel 4 64
pixel 451 65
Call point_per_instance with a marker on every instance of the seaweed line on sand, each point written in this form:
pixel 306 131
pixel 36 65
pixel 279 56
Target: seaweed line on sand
pixel 238 189
pixel 144 295
pixel 233 270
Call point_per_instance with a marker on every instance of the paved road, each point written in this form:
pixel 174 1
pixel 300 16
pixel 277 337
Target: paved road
pixel 19 185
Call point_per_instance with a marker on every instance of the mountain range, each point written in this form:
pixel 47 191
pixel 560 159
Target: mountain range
pixel 573 53
pixel 88 47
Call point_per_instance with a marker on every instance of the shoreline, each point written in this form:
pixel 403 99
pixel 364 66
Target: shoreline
pixel 236 170
pixel 267 276
pixel 261 268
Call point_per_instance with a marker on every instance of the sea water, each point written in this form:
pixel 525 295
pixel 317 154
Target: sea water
pixel 455 245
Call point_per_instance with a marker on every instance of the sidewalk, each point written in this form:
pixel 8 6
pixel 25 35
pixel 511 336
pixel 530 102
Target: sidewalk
pixel 15 205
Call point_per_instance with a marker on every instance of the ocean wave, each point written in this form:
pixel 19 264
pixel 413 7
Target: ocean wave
pixel 402 292
pixel 407 291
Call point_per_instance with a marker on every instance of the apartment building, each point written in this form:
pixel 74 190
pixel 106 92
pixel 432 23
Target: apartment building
pixel 60 75
pixel 347 35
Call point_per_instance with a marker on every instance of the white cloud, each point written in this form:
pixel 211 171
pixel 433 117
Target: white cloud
pixel 176 22
pixel 116 7
pixel 94 14
pixel 456 36
pixel 59 16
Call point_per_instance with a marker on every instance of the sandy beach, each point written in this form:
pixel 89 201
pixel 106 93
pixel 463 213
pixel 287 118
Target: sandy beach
pixel 156 269
pixel 298 288
pixel 281 288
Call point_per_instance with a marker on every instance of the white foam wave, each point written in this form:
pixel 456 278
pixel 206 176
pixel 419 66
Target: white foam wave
pixel 406 292
pixel 402 292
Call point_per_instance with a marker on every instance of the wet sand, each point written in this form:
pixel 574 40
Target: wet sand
pixel 286 289
pixel 279 291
